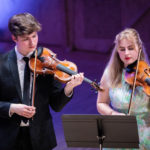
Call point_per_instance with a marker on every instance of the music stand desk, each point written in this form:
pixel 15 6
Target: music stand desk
pixel 100 131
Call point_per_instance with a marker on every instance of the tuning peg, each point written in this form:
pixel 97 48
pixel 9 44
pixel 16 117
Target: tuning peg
pixel 98 83
pixel 92 89
pixel 95 80
pixel 96 92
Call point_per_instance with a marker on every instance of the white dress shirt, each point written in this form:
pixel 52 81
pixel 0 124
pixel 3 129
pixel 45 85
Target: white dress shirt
pixel 21 65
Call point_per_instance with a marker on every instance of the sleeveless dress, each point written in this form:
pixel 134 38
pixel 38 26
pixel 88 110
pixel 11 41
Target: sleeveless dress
pixel 140 107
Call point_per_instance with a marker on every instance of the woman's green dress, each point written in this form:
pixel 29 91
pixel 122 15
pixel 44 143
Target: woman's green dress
pixel 140 107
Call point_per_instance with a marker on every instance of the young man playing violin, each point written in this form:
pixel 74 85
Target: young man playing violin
pixel 23 126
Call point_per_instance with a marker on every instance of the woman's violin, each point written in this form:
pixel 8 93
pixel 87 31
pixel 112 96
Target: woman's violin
pixel 143 75
pixel 47 63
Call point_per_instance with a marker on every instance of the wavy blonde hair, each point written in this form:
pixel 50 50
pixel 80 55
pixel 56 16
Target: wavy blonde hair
pixel 115 65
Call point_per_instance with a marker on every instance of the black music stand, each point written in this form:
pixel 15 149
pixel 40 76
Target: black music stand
pixel 100 131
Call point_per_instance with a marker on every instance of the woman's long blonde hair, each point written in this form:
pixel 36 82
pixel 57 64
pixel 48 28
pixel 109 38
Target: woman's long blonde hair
pixel 115 65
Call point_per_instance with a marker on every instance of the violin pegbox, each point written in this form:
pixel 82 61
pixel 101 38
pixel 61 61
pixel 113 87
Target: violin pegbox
pixel 96 86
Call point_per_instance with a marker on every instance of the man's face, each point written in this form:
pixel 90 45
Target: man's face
pixel 26 43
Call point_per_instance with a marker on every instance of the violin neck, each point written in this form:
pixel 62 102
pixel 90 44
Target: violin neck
pixel 88 80
pixel 71 72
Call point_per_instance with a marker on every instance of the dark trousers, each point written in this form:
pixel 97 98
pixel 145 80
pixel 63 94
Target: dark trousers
pixel 23 141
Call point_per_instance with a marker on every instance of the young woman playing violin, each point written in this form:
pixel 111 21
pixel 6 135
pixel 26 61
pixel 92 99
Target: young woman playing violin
pixel 25 126
pixel 115 98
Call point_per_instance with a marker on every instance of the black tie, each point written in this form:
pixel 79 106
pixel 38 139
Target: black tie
pixel 26 88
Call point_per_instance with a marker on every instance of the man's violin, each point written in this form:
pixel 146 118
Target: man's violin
pixel 47 63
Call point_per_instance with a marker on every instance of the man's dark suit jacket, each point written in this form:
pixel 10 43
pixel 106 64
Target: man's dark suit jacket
pixel 48 92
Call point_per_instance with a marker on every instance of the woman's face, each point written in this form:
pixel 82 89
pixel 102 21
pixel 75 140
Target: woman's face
pixel 127 51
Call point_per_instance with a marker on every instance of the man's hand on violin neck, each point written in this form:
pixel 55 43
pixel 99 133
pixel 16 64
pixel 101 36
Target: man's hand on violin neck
pixel 75 81
pixel 22 110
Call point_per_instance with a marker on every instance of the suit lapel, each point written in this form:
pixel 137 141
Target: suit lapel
pixel 12 60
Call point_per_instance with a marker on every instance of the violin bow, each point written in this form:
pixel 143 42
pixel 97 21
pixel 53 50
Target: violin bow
pixel 135 76
pixel 34 79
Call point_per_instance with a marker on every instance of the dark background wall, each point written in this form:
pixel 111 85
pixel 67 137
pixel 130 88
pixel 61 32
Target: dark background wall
pixel 81 31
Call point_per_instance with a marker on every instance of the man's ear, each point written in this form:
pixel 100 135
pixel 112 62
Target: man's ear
pixel 14 38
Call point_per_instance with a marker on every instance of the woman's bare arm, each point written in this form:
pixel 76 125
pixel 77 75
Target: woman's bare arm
pixel 103 100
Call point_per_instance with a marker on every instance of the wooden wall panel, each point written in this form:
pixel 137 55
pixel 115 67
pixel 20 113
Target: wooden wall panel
pixel 97 22
pixel 88 25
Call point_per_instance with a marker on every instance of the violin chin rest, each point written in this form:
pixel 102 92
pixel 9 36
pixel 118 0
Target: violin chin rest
pixel 147 80
pixel 130 70
pixel 39 52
